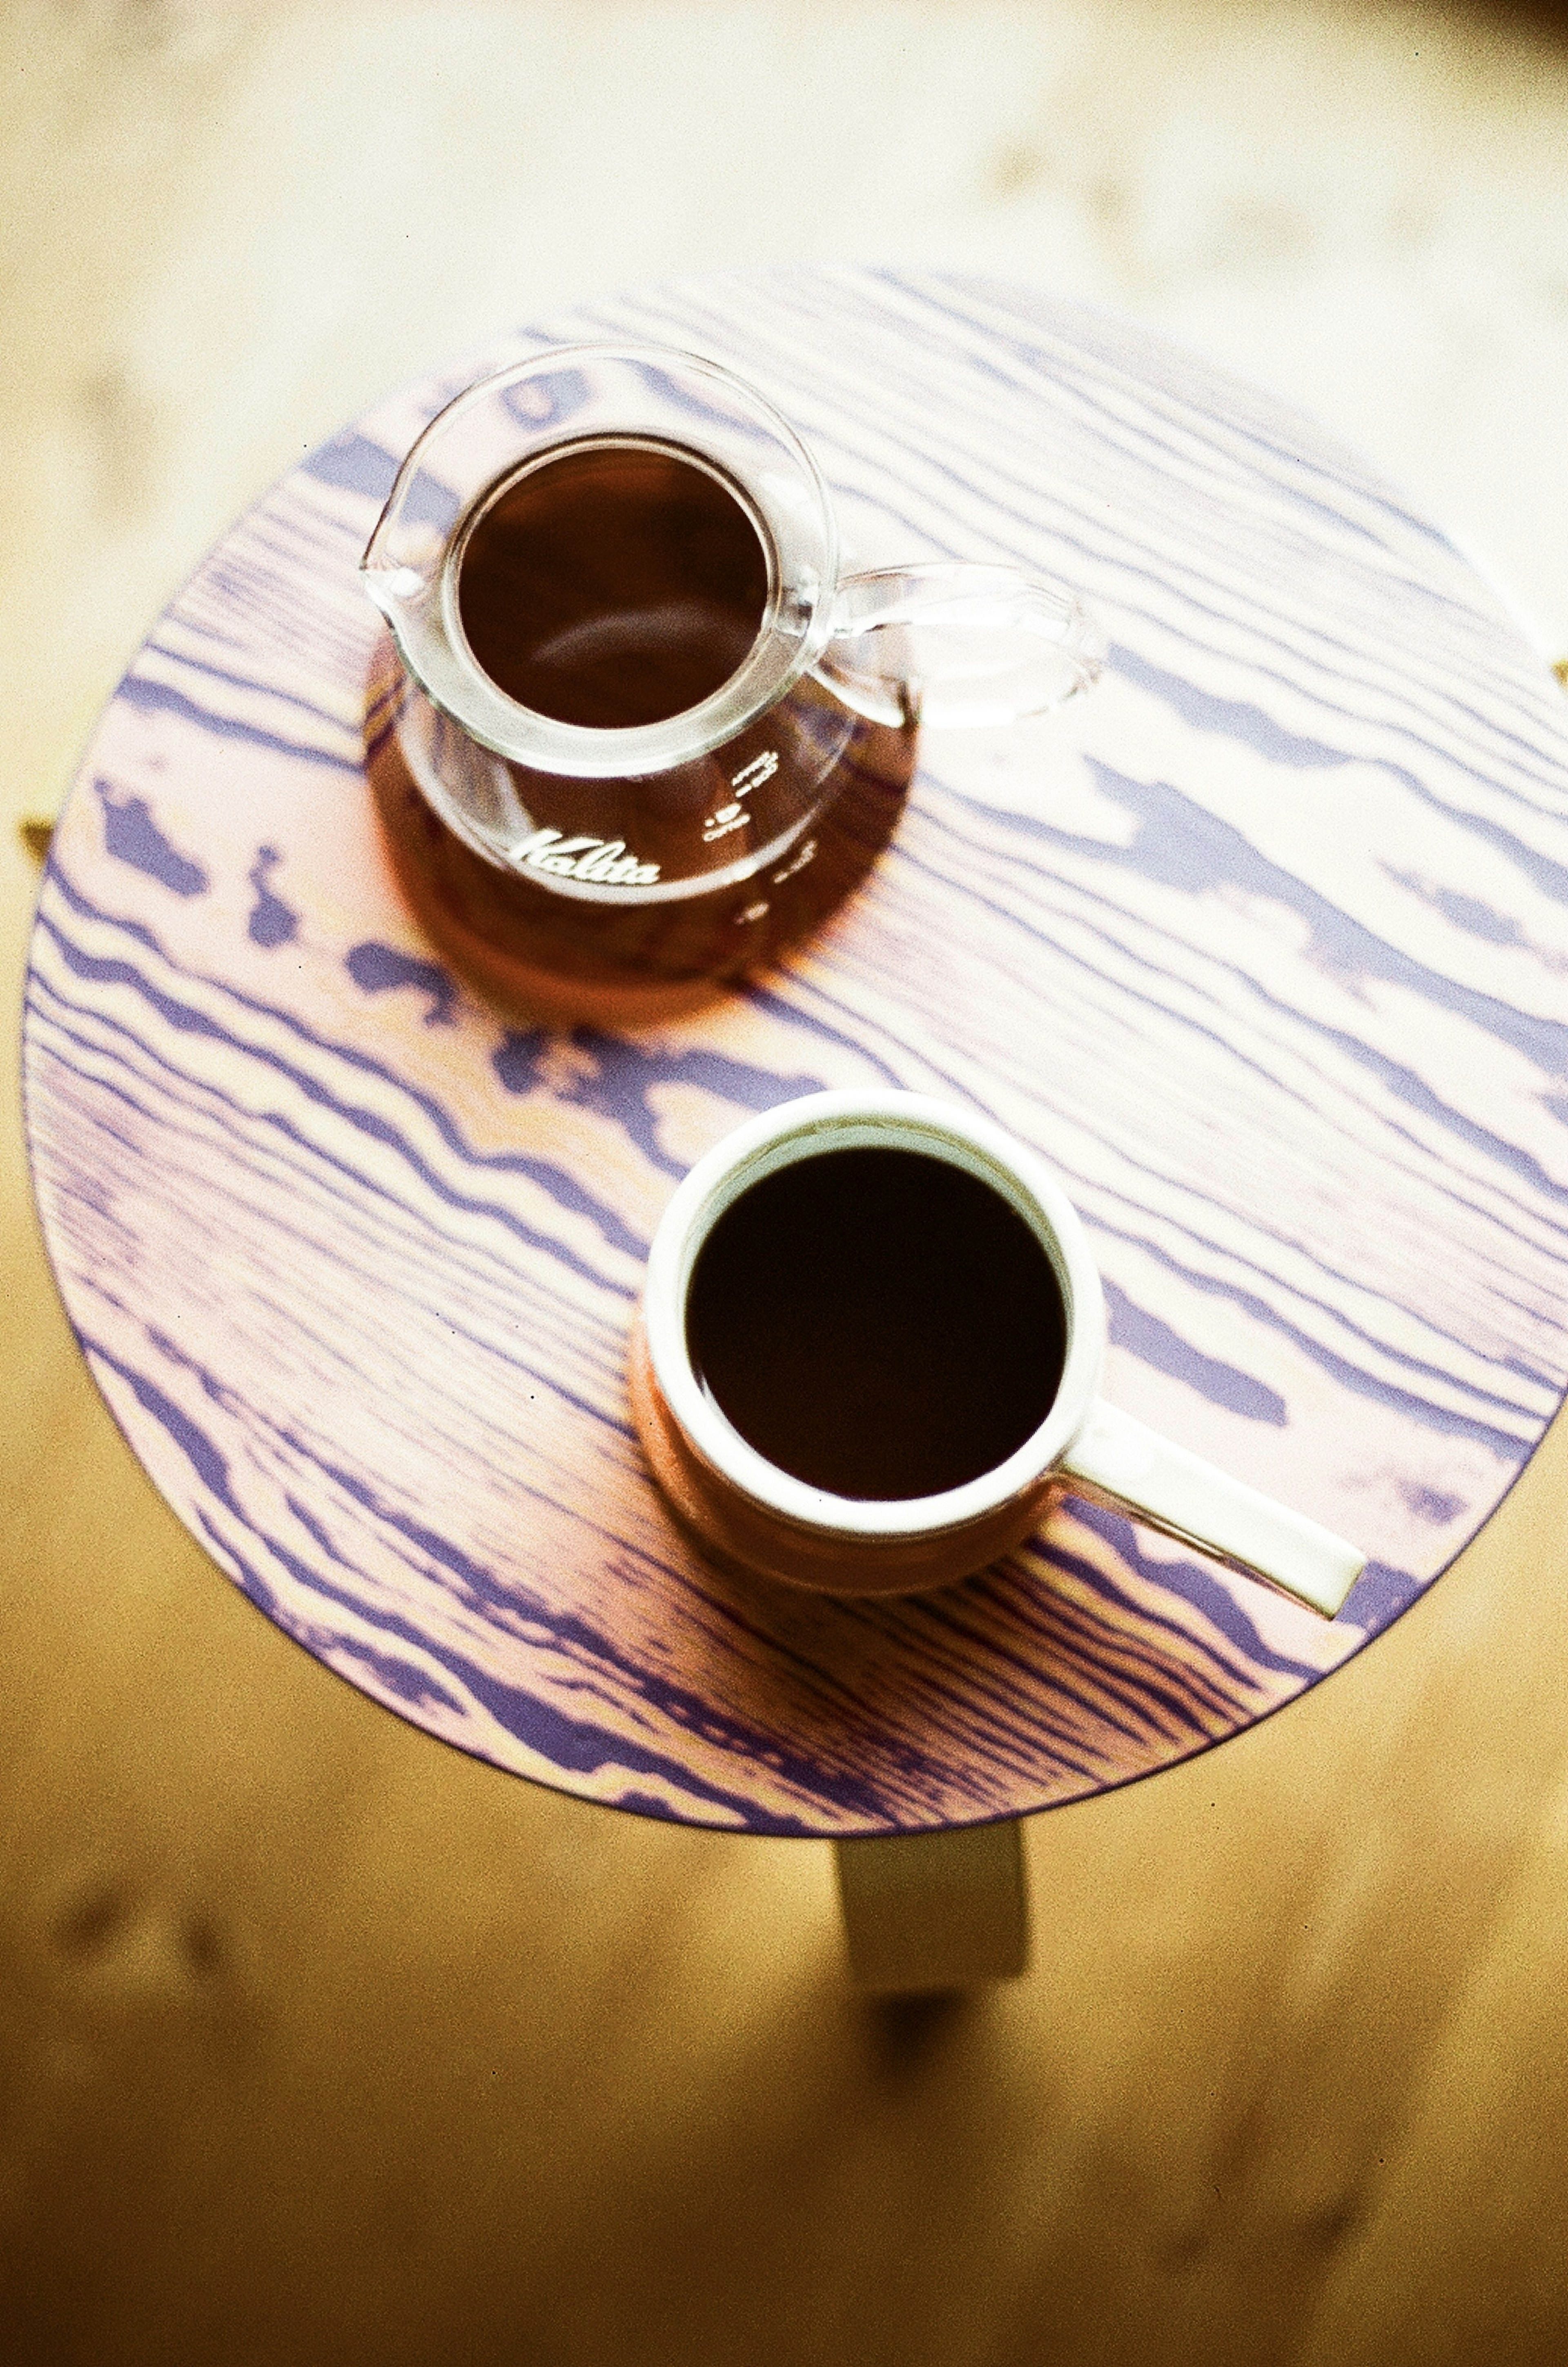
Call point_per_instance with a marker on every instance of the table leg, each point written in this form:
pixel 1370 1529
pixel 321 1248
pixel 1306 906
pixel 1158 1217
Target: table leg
pixel 932 1911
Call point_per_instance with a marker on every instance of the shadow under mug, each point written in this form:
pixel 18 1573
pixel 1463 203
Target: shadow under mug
pixel 754 1513
pixel 691 845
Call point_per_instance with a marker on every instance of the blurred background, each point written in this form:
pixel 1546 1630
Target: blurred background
pixel 319 2043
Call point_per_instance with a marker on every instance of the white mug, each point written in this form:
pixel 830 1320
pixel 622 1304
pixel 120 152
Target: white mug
pixel 751 1511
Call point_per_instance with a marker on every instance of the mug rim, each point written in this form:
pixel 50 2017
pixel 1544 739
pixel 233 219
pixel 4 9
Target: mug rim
pixel 810 1127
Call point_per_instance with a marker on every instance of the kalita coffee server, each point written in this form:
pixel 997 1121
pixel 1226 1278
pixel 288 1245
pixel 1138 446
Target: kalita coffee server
pixel 687 844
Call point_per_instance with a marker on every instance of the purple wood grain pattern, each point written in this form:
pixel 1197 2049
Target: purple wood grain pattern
pixel 1264 946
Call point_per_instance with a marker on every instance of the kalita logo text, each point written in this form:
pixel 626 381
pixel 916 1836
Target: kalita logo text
pixel 604 861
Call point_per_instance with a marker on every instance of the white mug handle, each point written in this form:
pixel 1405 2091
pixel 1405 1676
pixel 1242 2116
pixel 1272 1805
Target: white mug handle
pixel 1116 1461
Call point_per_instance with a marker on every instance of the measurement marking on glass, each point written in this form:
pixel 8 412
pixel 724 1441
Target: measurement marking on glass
pixel 752 776
pixel 801 860
pixel 727 818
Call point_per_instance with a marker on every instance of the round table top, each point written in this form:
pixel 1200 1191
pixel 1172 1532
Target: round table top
pixel 1264 946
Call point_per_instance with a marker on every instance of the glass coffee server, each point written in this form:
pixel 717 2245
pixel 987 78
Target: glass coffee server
pixel 634 731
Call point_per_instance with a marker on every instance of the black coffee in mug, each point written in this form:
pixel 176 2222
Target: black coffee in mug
pixel 613 583
pixel 880 1323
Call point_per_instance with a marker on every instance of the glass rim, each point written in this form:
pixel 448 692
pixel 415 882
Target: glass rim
pixel 420 608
